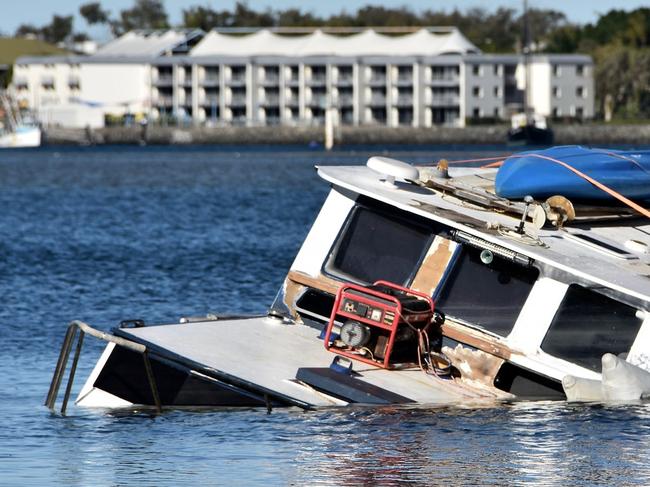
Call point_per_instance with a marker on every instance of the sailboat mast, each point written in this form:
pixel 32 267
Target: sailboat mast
pixel 526 52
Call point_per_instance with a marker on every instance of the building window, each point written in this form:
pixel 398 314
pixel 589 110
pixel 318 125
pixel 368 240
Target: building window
pixel 476 112
pixel 497 92
pixel 557 92
pixel 580 70
pixel 580 112
pixel 581 92
pixel 497 70
pixel 476 70
pixel 589 324
pixel 477 92
pixel 557 70
pixel 497 112
pixel 556 112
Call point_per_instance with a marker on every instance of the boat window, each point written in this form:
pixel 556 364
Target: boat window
pixel 489 294
pixel 589 324
pixel 376 245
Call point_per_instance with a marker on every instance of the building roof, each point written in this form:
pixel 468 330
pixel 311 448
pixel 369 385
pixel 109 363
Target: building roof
pixel 368 42
pixel 149 43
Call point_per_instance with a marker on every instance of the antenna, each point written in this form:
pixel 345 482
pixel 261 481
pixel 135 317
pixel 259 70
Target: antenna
pixel 526 52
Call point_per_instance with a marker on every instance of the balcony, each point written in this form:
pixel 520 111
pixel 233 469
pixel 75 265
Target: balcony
pixel 270 100
pixel 445 79
pixel 209 100
pixel 212 80
pixel 344 100
pixel 163 80
pixel 377 100
pixel 405 79
pixel 404 100
pixel 237 80
pixel 317 79
pixel 238 101
pixel 292 101
pixel 164 101
pixel 377 80
pixel 344 80
pixel 270 80
pixel 444 101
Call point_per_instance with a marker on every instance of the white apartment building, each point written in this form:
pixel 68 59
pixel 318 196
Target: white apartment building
pixel 422 78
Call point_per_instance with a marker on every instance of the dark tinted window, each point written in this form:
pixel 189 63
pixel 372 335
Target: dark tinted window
pixel 588 325
pixel 377 246
pixel 488 295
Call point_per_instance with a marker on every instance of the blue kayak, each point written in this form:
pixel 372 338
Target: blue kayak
pixel 627 172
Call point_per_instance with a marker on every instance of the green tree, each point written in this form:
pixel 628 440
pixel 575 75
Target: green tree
pixel 93 13
pixel 25 30
pixel 145 14
pixel 58 30
pixel 243 16
pixel 205 18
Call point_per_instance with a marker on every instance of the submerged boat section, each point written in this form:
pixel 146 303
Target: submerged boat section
pixel 529 299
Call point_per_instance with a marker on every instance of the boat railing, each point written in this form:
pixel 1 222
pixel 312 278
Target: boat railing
pixel 64 355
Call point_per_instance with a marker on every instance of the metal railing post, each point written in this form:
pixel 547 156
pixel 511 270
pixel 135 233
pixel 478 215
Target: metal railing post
pixel 64 355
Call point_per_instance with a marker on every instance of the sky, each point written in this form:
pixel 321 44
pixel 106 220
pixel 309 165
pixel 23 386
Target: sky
pixel 40 12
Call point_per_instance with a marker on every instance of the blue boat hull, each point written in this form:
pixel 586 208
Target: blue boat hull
pixel 627 172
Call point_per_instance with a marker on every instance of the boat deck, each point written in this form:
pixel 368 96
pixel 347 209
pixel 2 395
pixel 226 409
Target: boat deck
pixel 267 353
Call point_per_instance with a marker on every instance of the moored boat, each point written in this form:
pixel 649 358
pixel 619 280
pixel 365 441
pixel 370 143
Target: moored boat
pixel 16 131
pixel 415 285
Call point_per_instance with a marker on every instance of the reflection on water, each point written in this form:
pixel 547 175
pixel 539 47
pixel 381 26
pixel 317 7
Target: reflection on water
pixel 104 234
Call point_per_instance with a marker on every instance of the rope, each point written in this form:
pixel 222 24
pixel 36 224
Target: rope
pixel 638 208
pixel 499 160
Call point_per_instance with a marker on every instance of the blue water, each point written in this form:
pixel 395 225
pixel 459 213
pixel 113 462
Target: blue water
pixel 104 234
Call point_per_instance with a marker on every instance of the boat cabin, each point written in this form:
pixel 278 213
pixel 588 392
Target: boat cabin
pixel 523 308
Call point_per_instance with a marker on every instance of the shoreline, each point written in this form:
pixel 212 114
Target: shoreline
pixel 587 134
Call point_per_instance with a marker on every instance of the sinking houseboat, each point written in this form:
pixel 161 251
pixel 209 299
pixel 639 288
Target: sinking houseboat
pixel 415 285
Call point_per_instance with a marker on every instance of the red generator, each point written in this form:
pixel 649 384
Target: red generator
pixel 378 323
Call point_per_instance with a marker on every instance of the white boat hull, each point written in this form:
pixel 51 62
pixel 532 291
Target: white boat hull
pixel 22 137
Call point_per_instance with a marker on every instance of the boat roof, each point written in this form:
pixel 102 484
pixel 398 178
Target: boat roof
pixel 610 250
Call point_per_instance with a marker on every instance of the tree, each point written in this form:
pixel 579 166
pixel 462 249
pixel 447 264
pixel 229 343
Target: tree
pixel 246 17
pixel 565 39
pixel 622 78
pixel 93 13
pixel 26 30
pixel 295 17
pixel 145 14
pixel 205 18
pixel 58 30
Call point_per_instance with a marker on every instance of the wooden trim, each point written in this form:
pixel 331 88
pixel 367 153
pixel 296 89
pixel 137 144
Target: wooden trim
pixel 451 329
pixel 321 282
pixel 475 339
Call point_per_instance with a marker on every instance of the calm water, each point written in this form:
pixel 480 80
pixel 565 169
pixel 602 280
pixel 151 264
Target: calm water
pixel 104 234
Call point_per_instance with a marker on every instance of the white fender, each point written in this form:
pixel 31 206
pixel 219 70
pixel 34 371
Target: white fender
pixel 623 381
pixel 578 389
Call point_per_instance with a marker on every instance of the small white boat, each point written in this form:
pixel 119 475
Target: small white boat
pixel 15 130
pixel 535 294
pixel 21 136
